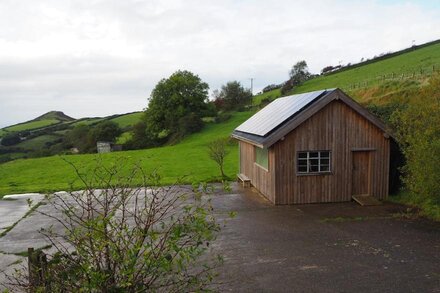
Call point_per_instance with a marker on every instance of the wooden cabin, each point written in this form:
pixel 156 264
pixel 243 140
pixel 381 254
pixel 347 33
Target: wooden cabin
pixel 315 147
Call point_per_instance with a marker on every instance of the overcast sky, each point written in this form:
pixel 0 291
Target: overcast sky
pixel 96 58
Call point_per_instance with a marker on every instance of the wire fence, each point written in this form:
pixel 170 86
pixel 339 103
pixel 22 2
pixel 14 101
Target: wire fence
pixel 413 74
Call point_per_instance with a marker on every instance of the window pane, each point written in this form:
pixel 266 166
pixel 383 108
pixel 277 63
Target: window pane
pixel 302 155
pixel 313 168
pixel 325 155
pixel 313 154
pixel 302 162
pixel 314 161
pixel 302 169
pixel 324 161
pixel 325 168
pixel 261 157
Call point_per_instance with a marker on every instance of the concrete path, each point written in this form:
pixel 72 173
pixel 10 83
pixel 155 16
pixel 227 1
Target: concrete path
pixel 13 208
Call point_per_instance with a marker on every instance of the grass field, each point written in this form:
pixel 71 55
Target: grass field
pixel 128 120
pixel 32 125
pixel 124 137
pixel 87 121
pixel 188 158
pixel 38 142
pixel 271 95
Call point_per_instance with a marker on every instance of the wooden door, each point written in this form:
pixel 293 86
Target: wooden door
pixel 361 173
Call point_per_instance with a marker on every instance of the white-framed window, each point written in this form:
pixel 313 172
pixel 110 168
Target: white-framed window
pixel 313 162
pixel 262 157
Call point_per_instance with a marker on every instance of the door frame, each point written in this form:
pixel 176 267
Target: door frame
pixel 370 153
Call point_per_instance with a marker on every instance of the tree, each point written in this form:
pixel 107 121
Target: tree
pixel 299 73
pixel 182 94
pixel 105 131
pixel 233 96
pixel 217 150
pixel 120 239
pixel 11 139
pixel 327 69
pixel 78 137
pixel 84 137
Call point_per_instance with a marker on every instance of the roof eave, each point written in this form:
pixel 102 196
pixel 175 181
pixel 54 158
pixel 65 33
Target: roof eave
pixel 247 140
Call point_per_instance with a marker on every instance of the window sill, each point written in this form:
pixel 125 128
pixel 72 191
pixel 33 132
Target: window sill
pixel 261 167
pixel 314 174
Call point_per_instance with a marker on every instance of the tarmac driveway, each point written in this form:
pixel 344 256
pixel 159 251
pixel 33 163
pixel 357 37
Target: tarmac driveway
pixel 325 248
pixel 304 248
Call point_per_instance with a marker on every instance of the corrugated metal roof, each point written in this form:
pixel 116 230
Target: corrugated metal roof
pixel 277 112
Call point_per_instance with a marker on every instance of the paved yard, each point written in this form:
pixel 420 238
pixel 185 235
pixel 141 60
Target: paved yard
pixel 309 248
pixel 326 248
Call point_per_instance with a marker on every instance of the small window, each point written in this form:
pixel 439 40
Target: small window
pixel 261 157
pixel 313 162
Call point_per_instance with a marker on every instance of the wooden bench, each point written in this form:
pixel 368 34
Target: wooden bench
pixel 244 179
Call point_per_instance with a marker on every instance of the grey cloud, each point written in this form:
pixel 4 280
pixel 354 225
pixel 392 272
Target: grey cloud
pixel 92 58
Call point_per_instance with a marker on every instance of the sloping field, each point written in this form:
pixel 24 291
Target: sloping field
pixel 31 125
pixel 414 65
pixel 128 120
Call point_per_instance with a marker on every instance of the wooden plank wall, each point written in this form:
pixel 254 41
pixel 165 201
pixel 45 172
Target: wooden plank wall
pixel 261 179
pixel 339 129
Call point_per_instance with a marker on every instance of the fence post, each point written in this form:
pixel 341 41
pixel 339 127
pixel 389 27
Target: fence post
pixel 37 266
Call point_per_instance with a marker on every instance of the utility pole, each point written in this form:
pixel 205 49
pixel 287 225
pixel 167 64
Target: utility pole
pixel 252 85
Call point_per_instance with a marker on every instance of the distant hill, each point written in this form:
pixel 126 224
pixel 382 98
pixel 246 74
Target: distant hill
pixel 43 136
pixel 45 120
pixel 58 115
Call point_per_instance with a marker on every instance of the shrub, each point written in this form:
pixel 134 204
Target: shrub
pixel 271 87
pixel 11 139
pixel 233 96
pixel 418 131
pixel 217 150
pixel 120 239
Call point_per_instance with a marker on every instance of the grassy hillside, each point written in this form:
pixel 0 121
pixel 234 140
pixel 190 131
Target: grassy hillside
pixel 38 142
pixel 407 64
pixel 128 120
pixel 87 121
pixel 31 125
pixel 45 120
pixel 186 158
pixel 414 66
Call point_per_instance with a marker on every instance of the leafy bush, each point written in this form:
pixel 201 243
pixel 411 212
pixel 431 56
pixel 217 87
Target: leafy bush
pixel 120 239
pixel 222 117
pixel 418 131
pixel 271 87
pixel 11 139
pixel 232 96
pixel 287 87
